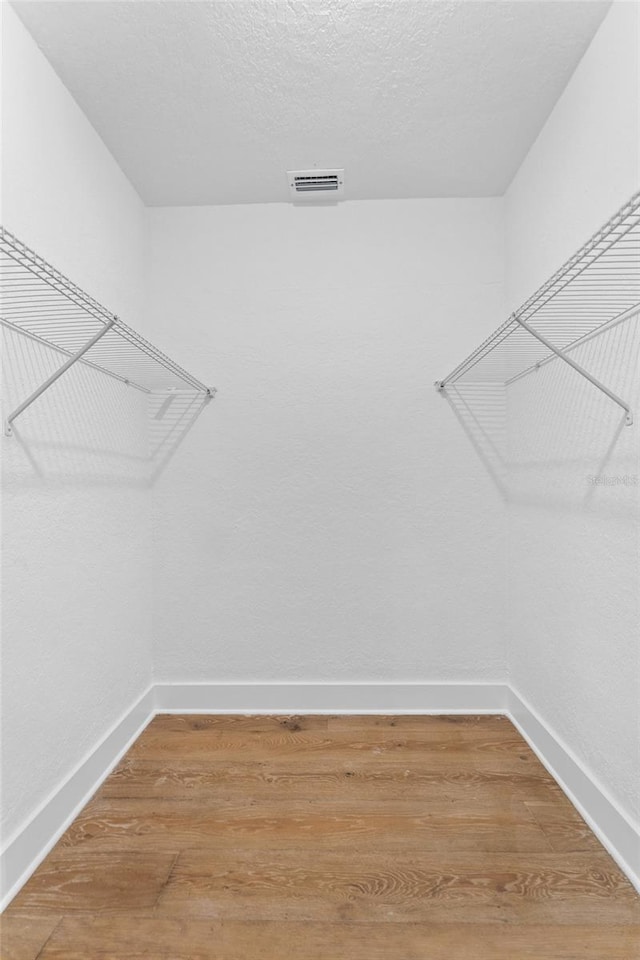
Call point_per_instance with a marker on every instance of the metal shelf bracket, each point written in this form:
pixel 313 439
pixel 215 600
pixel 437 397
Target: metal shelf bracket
pixel 576 366
pixel 54 376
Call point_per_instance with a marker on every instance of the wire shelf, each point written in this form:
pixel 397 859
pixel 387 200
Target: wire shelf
pixel 594 290
pixel 38 301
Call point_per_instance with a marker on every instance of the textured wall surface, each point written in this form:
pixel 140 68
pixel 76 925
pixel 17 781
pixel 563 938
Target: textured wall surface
pixel 327 517
pixel 574 606
pixel 76 540
pixel 205 103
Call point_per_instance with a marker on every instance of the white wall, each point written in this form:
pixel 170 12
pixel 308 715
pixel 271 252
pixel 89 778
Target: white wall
pixel 327 517
pixel 573 547
pixel 76 646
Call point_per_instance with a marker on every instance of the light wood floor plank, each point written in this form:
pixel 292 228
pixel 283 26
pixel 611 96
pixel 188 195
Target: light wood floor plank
pixel 22 938
pixel 565 828
pixel 307 824
pixel 341 885
pixel 210 780
pixel 110 939
pixel 451 727
pixel 216 745
pixel 71 881
pixel 356 727
pixel 230 724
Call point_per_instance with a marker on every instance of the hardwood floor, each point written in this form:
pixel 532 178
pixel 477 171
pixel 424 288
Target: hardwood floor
pixel 326 838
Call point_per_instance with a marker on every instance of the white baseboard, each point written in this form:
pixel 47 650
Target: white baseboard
pixel 28 847
pixel 611 826
pixel 331 697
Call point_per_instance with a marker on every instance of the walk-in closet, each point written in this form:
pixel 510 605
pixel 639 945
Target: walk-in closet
pixel 320 497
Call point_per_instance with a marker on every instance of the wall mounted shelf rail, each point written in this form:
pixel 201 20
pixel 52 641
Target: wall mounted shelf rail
pixel 39 302
pixel 596 289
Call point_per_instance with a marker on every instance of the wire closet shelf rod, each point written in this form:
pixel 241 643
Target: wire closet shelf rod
pixel 39 302
pixel 594 290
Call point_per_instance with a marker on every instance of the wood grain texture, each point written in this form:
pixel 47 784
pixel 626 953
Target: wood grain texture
pixel 209 780
pixel 22 938
pixel 218 746
pixel 70 881
pixel 341 885
pixel 326 838
pixel 307 824
pixel 143 939
pixel 565 828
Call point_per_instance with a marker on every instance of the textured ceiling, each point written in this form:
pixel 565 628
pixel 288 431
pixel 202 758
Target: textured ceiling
pixel 212 102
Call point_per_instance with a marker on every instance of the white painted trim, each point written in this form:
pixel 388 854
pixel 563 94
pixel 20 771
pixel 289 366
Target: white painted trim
pixel 610 824
pixel 29 845
pixel 345 698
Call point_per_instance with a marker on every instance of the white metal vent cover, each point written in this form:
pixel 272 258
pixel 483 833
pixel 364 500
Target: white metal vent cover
pixel 306 185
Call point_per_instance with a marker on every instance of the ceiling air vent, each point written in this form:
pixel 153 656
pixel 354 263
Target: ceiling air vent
pixel 316 184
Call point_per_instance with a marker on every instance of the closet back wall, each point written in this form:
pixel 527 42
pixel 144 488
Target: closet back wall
pixel 327 518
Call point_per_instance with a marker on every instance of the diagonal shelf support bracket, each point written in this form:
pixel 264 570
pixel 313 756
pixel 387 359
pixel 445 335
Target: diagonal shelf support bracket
pixel 54 376
pixel 576 366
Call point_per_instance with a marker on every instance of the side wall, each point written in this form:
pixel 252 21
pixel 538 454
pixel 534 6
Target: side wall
pixel 327 518
pixel 76 648
pixel 573 544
